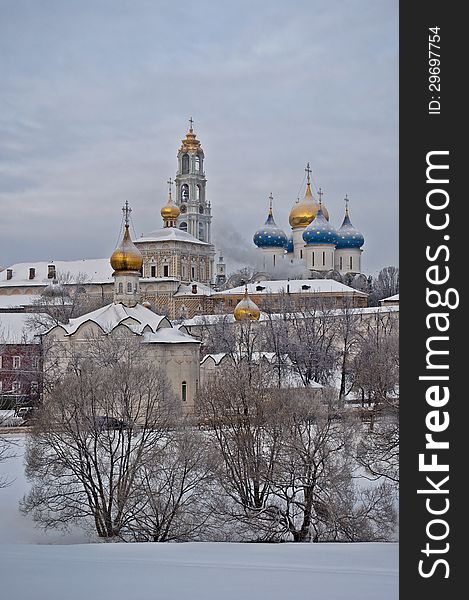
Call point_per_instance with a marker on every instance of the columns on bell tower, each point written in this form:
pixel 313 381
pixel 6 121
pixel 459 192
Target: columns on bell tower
pixel 195 212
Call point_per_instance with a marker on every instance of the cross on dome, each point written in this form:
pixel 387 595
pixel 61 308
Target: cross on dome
pixel 308 172
pixel 126 210
pixel 320 194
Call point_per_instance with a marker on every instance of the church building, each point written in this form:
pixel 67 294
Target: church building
pixel 124 316
pixel 314 242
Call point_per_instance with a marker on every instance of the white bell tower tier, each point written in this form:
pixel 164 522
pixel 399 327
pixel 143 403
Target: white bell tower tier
pixel 195 212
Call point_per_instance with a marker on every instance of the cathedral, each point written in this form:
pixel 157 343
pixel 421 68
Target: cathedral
pixel 313 242
pixel 179 276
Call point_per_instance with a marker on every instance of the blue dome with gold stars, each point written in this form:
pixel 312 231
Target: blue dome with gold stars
pixel 320 231
pixel 347 235
pixel 269 235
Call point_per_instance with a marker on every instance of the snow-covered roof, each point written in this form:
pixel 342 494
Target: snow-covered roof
pixel 290 378
pixel 394 298
pixel 138 319
pixel 17 328
pixel 255 356
pixel 169 335
pixel 217 358
pixel 169 234
pixel 201 320
pixel 18 300
pixel 92 270
pixel 292 286
pixel 186 290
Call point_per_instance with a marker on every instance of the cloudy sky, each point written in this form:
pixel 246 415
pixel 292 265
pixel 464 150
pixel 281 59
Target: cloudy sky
pixel 96 94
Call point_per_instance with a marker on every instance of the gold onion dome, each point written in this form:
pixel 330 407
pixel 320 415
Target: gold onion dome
pixel 246 309
pixel 305 211
pixel 126 257
pixel 170 212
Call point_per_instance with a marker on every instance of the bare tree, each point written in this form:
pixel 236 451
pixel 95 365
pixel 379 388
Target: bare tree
pixel 239 408
pixel 173 491
pixel 347 324
pixel 95 434
pixel 378 450
pixel 375 370
pixel 386 284
pixel 317 498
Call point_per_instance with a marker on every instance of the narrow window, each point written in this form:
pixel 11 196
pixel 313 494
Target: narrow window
pixel 166 271
pixel 1 362
pixel 16 387
pixel 313 259
pixel 185 163
pixel 153 270
pixel 197 189
pixel 184 391
pixel 183 226
pixel 51 272
pixel 185 192
pixel 197 163
pixel 323 258
pixel 274 260
pixel 129 287
pixel 34 387
pixel 9 274
pixel 301 255
pixel 16 362
pixel 32 273
pixel 351 261
pixel 340 263
pixel 35 362
pixel 193 272
pixel 121 288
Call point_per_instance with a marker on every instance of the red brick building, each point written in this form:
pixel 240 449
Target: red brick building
pixel 20 361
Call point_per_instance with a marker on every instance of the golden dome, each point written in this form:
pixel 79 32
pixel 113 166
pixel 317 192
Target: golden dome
pixel 305 211
pixel 246 309
pixel 126 257
pixel 170 212
pixel 190 143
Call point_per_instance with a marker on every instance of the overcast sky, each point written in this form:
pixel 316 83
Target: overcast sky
pixel 95 96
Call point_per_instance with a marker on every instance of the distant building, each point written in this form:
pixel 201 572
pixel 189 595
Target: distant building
pixel 20 361
pixel 297 293
pixel 313 242
pixel 177 351
pixel 391 301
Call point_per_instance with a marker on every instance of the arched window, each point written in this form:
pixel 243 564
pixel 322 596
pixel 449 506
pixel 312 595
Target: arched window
pixel 201 232
pixel 129 287
pixel 198 192
pixel 185 163
pixel 184 192
pixel 197 163
pixel 183 226
pixel 121 288
pixel 184 391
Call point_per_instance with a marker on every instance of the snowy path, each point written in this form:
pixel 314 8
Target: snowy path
pixel 207 571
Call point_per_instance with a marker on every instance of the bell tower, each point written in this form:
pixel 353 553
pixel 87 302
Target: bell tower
pixel 195 212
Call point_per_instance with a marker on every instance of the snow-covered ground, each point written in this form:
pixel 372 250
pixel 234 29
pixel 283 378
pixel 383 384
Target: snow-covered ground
pixel 52 566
